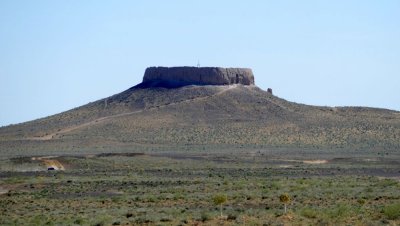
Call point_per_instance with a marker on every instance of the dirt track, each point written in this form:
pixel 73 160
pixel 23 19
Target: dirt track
pixel 103 119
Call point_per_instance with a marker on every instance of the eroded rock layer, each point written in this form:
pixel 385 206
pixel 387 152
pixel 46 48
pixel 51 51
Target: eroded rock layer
pixel 180 76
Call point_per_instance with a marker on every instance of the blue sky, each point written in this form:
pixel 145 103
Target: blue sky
pixel 57 55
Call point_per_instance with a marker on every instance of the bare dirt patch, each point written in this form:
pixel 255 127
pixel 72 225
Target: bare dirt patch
pixel 50 162
pixel 318 161
pixel 3 191
pixel 286 166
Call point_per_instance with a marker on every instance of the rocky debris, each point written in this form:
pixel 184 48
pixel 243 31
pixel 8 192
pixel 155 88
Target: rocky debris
pixel 181 76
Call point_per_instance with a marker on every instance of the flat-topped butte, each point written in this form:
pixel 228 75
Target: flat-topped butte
pixel 182 76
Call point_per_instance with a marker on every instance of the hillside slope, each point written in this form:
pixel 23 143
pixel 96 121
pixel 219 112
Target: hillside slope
pixel 205 117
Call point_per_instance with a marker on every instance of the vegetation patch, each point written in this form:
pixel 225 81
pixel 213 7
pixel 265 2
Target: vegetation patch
pixel 171 190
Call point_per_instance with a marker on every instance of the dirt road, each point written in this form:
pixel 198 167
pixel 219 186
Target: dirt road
pixel 103 119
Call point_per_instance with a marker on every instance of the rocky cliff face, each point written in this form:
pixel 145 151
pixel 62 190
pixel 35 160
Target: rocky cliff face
pixel 181 76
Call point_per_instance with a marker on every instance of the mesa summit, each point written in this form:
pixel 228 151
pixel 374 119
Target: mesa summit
pixel 171 77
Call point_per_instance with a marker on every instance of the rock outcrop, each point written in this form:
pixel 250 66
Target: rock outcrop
pixel 181 76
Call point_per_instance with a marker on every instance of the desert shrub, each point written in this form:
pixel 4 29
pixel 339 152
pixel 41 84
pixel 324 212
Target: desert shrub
pixel 37 220
pixel 392 212
pixel 166 219
pixel 143 220
pixel 99 224
pixel 340 211
pixel 151 198
pixel 102 220
pixel 232 216
pixel 177 196
pixel 15 180
pixel 275 186
pixel 79 221
pixel 369 190
pixel 361 201
pixel 285 199
pixel 309 213
pixel 205 216
pixel 387 183
pixel 116 199
pixel 219 199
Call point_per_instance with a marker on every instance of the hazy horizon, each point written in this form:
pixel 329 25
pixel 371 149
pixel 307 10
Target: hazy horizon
pixel 55 56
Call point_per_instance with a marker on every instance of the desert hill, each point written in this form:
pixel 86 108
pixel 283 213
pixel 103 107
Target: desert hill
pixel 222 110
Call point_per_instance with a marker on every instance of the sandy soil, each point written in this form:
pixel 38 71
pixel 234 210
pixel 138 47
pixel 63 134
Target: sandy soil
pixel 319 161
pixel 3 191
pixel 50 162
pixel 53 163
